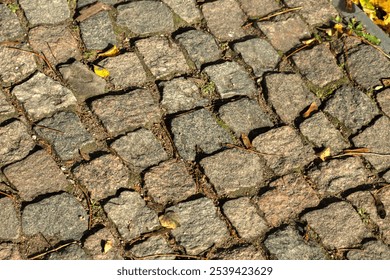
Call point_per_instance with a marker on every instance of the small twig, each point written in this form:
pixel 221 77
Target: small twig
pixel 279 13
pixel 372 45
pixel 7 195
pixel 360 154
pixel 297 50
pixel 52 250
pixel 170 255
pixel 45 127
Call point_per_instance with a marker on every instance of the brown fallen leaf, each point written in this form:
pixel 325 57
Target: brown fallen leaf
pixel 324 154
pixel 356 151
pixel 114 51
pixel 245 140
pixel 312 108
pixel 92 10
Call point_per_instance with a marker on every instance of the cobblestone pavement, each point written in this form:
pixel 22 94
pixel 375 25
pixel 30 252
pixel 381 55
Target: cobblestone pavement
pixel 150 163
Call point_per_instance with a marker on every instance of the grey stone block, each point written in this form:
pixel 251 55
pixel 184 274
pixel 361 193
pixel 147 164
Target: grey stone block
pixel 200 227
pixel 259 8
pixel 141 149
pixel 383 99
pixel 231 79
pixel 186 9
pixel 372 250
pixel 9 251
pixel 7 111
pixel 154 245
pixel 60 216
pixel 197 130
pixel 10 229
pixel 38 12
pixel 42 97
pixel 386 176
pixel 10 28
pixel 36 175
pixel 82 3
pixel 239 253
pixel 71 252
pixel 94 246
pixel 131 216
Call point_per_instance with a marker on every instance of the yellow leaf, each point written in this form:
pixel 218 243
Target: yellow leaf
pixel 100 71
pixel 168 221
pixel 312 108
pixel 114 51
pixel 107 246
pixel 309 41
pixel 339 27
pixel 324 154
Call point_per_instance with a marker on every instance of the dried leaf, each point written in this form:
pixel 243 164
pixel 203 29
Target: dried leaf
pixel 356 151
pixel 107 246
pixel 325 153
pixel 245 140
pixel 168 221
pixel 309 41
pixel 100 71
pixel 114 51
pixel 312 108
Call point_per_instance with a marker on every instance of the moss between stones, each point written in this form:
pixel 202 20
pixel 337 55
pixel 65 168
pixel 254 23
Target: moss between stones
pixel 326 91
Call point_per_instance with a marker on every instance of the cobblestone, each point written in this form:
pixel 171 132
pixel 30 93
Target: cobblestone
pixel 259 8
pixel 10 28
pixel 240 253
pixel 186 9
pixel 10 229
pixel 7 111
pixel 94 246
pixel 315 12
pixel 39 13
pixel 9 251
pixel 373 250
pixel 155 245
pixel 383 99
pixel 71 252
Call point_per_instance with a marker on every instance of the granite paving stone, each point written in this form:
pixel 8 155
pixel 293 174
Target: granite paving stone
pixel 121 113
pixel 97 31
pixel 9 251
pixel 288 95
pixel 57 43
pixel 321 132
pixel 82 81
pixel 231 79
pixel 289 196
pixel 65 132
pixel 244 218
pixel 384 222
pixel 125 70
pixel 259 54
pixel 103 176
pixel 386 176
pixel 315 12
pixel 36 175
pixel 186 9
pixel 71 252
pixel 164 59
pixel 130 215
pixel 243 116
pixel 15 142
pixel 259 8
pixel 376 139
pixel 337 225
pixel 60 216
pixel 169 182
pixel 367 66
pixel 372 250
pixel 94 246
pixel 383 99
pixel 293 29
pixel 146 17
pixel 154 245
pixel 200 46
pixel 7 111
pixel 200 227
pixel 235 173
pixel 140 148
pixel 287 244
pixel 338 175
pixel 10 28
pixel 83 3
pixel 180 95
pixel 37 12
pixel 15 65
pixel 285 149
pixel 318 65
pixel 10 224
pixel 351 107
pixel 248 252
pixel 41 96
pixel 224 19
pixel 196 131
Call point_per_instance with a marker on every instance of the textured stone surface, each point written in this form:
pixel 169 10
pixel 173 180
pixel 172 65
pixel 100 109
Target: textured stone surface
pixel 82 3
pixel 181 94
pixel 9 251
pixel 130 215
pixel 318 65
pixel 337 225
pixel 243 116
pixel 200 46
pixel 94 246
pixel 15 65
pixel 259 8
pixel 103 176
pixel 41 96
pixel 9 24
pixel 315 12
pixel 197 130
pixel 231 79
pixel 10 229
pixel 140 148
pixel 125 70
pixel 39 13
pixel 67 135
pixel 351 107
pixel 200 227
pixel 386 176
pixel 225 19
pixel 288 95
pixel 169 182
pixel 162 56
pixel 373 250
pixel 7 111
pixel 234 172
pixel 82 81
pixel 15 142
pixel 37 174
pixel 383 99
pixel 146 17
pixel 244 218
pixel 97 32
pixel 121 113
pixel 60 216
pixel 155 245
pixel 186 9
pixel 259 54
pixel 287 244
pixel 240 253
pixel 289 196
pixel 284 149
pixel 376 139
pixel 71 252
pixel 293 30
pixel 320 131
pixel 335 176
pixel 367 66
